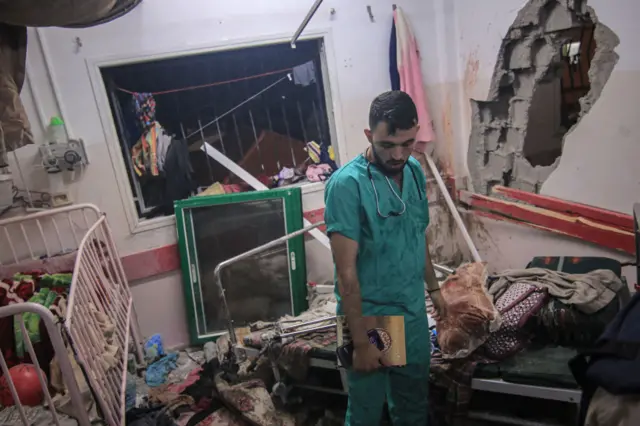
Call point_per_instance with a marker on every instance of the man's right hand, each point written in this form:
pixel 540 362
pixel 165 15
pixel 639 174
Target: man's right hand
pixel 367 358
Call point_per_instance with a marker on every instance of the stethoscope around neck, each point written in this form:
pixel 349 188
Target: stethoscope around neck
pixel 392 213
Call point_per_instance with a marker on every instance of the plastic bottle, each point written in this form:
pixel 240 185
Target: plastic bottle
pixel 57 133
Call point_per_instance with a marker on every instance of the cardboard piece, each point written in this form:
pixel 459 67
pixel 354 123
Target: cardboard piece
pixel 391 332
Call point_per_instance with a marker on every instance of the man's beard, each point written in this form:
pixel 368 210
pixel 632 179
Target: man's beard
pixel 385 169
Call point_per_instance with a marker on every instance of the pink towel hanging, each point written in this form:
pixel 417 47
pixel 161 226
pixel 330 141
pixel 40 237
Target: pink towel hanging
pixel 408 60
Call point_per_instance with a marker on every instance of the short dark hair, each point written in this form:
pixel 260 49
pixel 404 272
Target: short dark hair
pixel 396 108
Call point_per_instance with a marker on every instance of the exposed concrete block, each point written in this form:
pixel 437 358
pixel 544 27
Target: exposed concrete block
pixel 492 138
pixel 499 163
pixel 486 113
pixel 528 57
pixel 523 186
pixel 525 81
pixel 578 6
pixel 515 33
pixel 558 18
pixel 515 140
pixel 544 53
pixel 519 112
pixel 523 171
pixel 520 56
pixel 507 79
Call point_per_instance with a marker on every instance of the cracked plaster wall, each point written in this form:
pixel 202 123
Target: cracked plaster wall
pixel 598 165
pixel 529 57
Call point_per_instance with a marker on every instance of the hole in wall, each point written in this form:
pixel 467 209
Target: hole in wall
pixel 551 68
pixel 555 105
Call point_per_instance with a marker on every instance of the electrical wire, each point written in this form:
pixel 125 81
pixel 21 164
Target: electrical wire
pixel 215 120
pixel 217 83
pixel 20 200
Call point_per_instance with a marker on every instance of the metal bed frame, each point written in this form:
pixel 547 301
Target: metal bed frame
pixel 287 333
pixel 98 285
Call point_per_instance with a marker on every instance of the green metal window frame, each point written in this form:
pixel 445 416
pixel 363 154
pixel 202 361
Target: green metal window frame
pixel 292 202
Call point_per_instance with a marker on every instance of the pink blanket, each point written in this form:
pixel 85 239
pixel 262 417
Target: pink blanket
pixel 408 60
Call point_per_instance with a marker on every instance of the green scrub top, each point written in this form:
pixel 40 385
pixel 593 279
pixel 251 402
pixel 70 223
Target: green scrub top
pixel 391 253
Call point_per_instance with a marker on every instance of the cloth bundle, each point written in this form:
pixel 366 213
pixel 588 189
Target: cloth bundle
pixel 517 305
pixel 251 400
pixel 48 290
pixel 470 314
pixel 144 105
pixel 579 306
pixel 589 292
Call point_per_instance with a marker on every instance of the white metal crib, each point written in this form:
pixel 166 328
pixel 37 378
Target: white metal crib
pixel 99 285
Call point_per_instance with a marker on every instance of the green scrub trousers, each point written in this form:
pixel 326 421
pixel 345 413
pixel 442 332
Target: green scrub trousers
pixel 391 265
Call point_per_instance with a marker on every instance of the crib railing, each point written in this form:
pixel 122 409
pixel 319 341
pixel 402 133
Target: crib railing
pixel 45 234
pixel 17 310
pixel 99 290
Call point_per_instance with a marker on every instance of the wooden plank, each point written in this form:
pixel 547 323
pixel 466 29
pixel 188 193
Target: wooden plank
pixel 567 224
pixel 556 204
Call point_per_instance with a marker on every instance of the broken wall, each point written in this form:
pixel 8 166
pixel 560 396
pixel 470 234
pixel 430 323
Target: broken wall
pixel 598 161
pixel 529 65
pixel 597 165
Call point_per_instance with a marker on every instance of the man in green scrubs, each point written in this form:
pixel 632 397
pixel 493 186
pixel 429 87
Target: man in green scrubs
pixel 376 212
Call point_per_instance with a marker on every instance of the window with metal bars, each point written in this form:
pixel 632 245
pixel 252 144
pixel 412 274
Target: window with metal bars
pixel 263 107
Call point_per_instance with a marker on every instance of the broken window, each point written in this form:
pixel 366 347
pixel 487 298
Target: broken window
pixel 541 88
pixel 263 108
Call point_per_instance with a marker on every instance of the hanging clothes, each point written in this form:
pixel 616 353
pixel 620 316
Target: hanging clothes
pixel 149 154
pixel 305 74
pixel 144 105
pixel 174 183
pixel 408 68
pixel 144 152
pixel 394 75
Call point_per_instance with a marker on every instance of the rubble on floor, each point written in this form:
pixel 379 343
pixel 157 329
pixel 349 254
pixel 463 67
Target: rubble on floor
pixel 204 386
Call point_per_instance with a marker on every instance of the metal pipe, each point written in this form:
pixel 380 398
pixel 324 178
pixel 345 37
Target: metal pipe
pixel 277 147
pixel 255 137
pixel 305 22
pixel 443 269
pixel 304 128
pixel 306 331
pixel 317 120
pixel 315 321
pixel 206 157
pixel 495 418
pixel 286 126
pixel 245 255
pixel 238 139
pixel 224 150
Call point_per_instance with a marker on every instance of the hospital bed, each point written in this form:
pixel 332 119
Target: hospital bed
pixel 325 358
